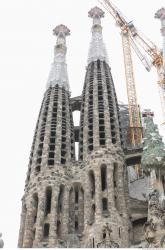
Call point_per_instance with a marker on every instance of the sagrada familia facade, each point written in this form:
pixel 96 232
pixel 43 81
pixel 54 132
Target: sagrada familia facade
pixel 99 200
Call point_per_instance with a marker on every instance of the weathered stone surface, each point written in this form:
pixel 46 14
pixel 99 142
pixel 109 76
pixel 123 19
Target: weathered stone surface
pixel 155 226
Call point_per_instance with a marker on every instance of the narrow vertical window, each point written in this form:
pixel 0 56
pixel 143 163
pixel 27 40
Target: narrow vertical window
pixel 92 219
pixel 58 229
pixel 93 243
pixel 92 183
pixel 46 230
pixel 119 232
pixel 104 235
pixel 115 175
pixel 76 195
pixel 60 199
pixel 104 205
pixel 48 201
pixel 116 202
pixel 35 204
pixel 103 177
pixel 76 225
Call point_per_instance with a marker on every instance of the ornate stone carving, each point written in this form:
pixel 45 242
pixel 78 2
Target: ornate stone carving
pixel 107 242
pixel 154 228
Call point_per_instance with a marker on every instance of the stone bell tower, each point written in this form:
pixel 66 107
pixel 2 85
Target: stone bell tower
pixel 106 215
pixel 52 151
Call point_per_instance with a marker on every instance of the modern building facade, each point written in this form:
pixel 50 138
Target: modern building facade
pixel 84 202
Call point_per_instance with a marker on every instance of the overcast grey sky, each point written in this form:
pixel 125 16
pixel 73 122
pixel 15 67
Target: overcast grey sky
pixel 26 53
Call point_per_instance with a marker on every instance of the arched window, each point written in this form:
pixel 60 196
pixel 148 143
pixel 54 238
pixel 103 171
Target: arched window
pixel 92 183
pixel 48 201
pixel 103 177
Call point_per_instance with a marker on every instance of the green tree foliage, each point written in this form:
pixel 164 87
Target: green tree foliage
pixel 153 155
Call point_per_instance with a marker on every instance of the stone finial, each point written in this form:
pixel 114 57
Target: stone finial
pixel 58 73
pixel 1 241
pixel 61 29
pixel 96 12
pixel 97 50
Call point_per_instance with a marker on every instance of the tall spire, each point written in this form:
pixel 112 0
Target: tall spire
pixel 97 48
pixel 58 73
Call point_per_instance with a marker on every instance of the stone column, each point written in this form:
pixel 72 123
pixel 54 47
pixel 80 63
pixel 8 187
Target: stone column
pixel 81 210
pixel 98 196
pixel 121 189
pixel 53 218
pixel 65 213
pixel 71 210
pixel 22 226
pixel 28 235
pixel 110 187
pixel 40 219
pixel 87 201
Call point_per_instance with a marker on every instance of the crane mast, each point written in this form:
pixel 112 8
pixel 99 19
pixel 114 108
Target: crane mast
pixel 135 124
pixel 135 133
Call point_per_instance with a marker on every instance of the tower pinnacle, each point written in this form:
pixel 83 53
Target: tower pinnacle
pixel 58 73
pixel 96 12
pixel 97 48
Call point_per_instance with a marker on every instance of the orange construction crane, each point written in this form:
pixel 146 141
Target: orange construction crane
pixel 149 55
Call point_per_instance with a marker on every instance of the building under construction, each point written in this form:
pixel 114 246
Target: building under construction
pixel 113 195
